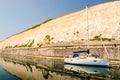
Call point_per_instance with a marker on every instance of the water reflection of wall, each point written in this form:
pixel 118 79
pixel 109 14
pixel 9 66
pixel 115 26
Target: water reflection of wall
pixel 28 68
pixel 34 69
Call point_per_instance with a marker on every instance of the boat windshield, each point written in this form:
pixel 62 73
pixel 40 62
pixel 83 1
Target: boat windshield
pixel 76 53
pixel 94 55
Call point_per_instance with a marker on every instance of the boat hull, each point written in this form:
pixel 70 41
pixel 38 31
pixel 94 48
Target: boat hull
pixel 87 62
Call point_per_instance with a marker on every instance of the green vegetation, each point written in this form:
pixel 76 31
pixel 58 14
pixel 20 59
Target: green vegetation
pixel 48 39
pixel 28 44
pixel 41 23
pixel 72 41
pixel 8 47
pixel 82 39
pixel 31 44
pixel 98 38
pixel 76 33
pixel 39 45
pixel 67 33
pixel 32 27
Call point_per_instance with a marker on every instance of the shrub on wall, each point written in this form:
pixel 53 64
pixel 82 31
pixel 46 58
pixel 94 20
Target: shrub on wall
pixel 48 39
pixel 31 44
pixel 39 45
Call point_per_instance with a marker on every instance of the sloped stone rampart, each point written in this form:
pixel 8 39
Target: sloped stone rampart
pixel 103 19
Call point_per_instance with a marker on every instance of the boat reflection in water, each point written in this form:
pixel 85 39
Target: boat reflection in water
pixel 87 69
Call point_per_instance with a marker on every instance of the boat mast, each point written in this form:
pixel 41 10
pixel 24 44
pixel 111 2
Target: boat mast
pixel 88 42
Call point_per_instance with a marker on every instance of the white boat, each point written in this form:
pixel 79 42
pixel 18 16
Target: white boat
pixel 90 59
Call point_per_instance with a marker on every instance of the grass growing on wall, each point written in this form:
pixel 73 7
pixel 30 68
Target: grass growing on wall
pixel 32 27
pixel 31 43
pixel 39 45
pixel 99 38
pixel 41 23
pixel 28 44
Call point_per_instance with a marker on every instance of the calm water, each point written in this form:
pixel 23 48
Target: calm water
pixel 4 75
pixel 22 68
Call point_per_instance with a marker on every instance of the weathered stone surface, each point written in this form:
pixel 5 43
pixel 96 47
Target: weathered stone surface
pixel 103 19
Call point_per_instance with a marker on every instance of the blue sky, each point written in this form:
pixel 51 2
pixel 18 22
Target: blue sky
pixel 19 15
